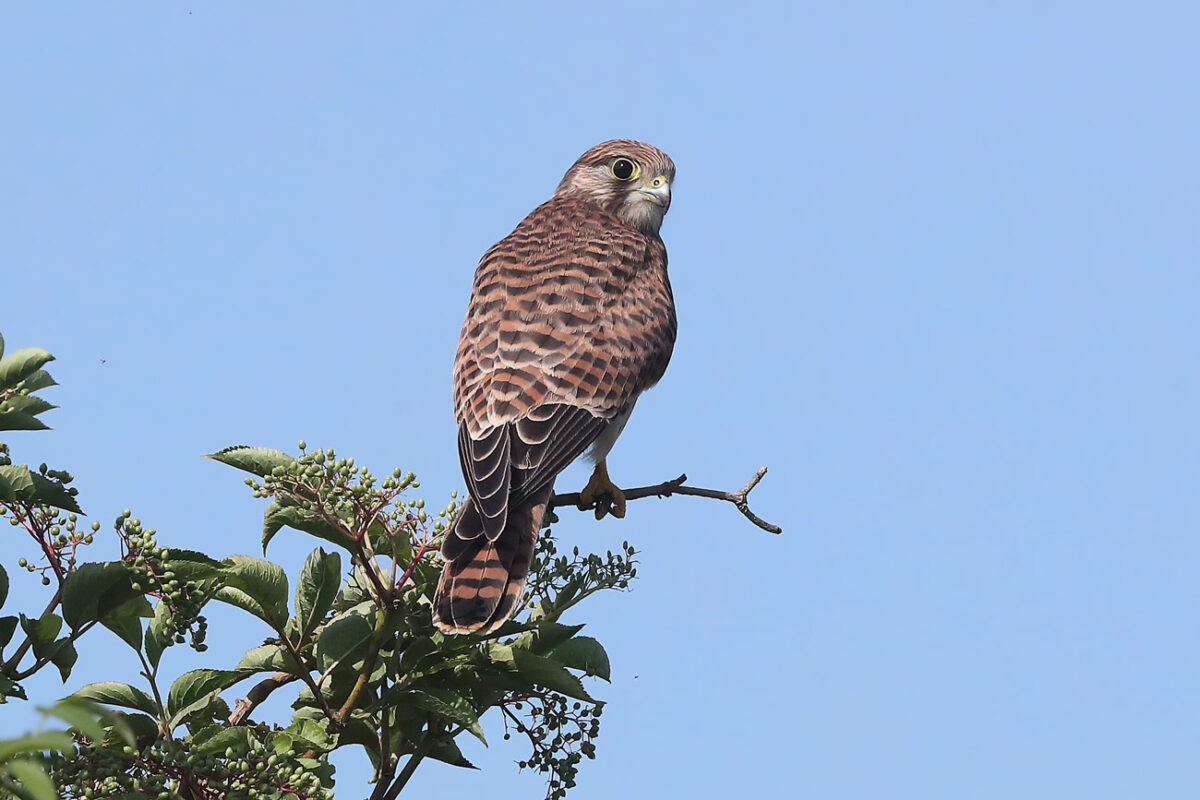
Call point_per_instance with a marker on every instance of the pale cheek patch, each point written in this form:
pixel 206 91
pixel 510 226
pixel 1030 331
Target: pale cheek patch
pixel 643 214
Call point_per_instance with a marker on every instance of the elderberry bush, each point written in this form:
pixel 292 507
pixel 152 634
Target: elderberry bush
pixel 352 644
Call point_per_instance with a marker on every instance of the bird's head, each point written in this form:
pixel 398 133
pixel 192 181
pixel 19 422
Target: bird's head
pixel 630 179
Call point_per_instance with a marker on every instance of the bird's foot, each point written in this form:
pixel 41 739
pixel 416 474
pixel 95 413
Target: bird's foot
pixel 603 493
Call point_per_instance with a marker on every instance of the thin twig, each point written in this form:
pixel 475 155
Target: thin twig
pixel 261 691
pixel 676 486
pixel 11 665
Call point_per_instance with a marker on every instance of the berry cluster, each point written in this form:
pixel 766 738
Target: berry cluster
pixel 579 575
pixel 561 732
pixel 153 574
pixel 55 530
pixel 170 770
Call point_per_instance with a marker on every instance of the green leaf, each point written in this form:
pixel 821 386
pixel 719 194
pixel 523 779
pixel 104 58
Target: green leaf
pixel 259 461
pixel 585 653
pixel 236 597
pixel 18 366
pixel 126 620
pixel 16 421
pixel 3 591
pixel 94 589
pixel 158 633
pixel 64 657
pixel 16 482
pixel 38 380
pixel 130 729
pixel 8 626
pixel 193 566
pixel 28 404
pixel 543 672
pixel 42 630
pixel 9 688
pixel 215 740
pixel 36 743
pixel 195 689
pixel 445 750
pixel 320 578
pixel 53 493
pixel 263 582
pixel 268 658
pixel 32 778
pixel 346 635
pixel 81 715
pixel 545 636
pixel 453 707
pixel 312 734
pixel 281 515
pixel 114 693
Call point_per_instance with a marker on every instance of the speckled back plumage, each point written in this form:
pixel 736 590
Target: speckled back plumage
pixel 571 317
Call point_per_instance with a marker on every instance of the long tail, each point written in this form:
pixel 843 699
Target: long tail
pixel 483 580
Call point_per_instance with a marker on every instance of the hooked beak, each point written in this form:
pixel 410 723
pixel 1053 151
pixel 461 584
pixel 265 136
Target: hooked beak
pixel 657 190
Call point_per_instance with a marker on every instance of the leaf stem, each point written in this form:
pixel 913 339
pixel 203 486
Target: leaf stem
pixel 364 676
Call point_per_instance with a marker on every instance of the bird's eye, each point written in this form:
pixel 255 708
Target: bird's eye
pixel 623 169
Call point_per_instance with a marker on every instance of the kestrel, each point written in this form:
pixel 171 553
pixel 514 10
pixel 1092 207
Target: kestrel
pixel 571 318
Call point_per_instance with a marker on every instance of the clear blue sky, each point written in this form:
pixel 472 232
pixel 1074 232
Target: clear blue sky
pixel 936 265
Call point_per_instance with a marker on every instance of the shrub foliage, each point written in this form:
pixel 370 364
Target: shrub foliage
pixel 353 642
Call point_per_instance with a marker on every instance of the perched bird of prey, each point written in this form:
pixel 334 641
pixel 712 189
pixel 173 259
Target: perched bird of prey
pixel 571 318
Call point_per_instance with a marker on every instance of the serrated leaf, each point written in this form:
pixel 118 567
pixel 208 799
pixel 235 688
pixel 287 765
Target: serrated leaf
pixel 31 777
pixel 95 589
pixel 311 734
pixel 17 421
pixel 29 404
pixel 16 482
pixel 545 636
pixel 316 589
pixel 258 461
pixel 53 493
pixel 39 380
pixel 583 653
pixel 548 674
pixel 3 591
pixel 446 751
pixel 114 693
pixel 280 515
pixel 346 634
pixel 263 582
pixel 192 565
pixel 18 366
pixel 446 703
pixel 195 689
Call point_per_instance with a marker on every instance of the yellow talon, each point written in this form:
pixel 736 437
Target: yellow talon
pixel 600 488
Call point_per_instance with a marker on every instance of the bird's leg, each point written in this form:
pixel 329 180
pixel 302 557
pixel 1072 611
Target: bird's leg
pixel 600 487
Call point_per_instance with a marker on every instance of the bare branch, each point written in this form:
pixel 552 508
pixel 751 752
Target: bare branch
pixel 261 691
pixel 676 486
